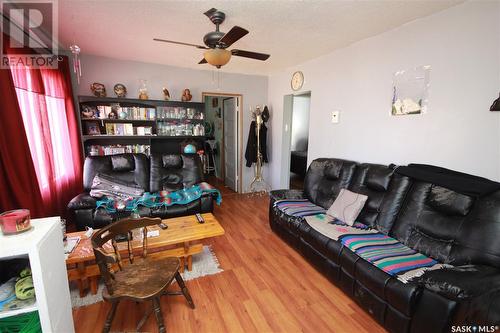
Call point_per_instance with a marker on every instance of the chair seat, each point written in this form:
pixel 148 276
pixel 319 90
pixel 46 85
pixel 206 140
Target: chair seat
pixel 144 279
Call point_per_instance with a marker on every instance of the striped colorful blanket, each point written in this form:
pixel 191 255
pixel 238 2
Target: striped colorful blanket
pixel 384 252
pixel 298 207
pixel 159 199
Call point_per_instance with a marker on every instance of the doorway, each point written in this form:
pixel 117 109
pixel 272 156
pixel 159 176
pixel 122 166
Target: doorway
pixel 224 138
pixel 296 109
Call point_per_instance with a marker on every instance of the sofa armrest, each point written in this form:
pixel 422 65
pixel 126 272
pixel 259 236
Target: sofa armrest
pixel 286 194
pixel 207 203
pixel 462 282
pixel 82 201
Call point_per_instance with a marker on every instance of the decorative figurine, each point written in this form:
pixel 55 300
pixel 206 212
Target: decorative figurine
pixel 88 112
pixel 143 90
pixel 98 89
pixel 166 94
pixel 120 90
pixel 114 111
pixel 186 95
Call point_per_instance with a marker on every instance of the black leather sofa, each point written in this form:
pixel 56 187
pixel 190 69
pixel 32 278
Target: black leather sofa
pixel 451 227
pixel 155 173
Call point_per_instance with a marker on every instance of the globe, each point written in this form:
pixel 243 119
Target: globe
pixel 189 149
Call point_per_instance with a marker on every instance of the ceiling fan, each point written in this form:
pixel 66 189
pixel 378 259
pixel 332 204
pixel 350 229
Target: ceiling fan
pixel 217 42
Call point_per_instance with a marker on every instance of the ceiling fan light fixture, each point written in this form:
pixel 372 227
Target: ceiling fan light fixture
pixel 217 57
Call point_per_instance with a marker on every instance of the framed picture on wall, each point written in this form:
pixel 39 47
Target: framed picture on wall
pixel 215 102
pixel 92 128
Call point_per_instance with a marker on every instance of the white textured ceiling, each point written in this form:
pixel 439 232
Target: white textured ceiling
pixel 291 31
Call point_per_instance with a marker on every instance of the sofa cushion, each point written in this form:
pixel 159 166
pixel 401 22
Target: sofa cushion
pixel 325 178
pixel 462 282
pixel 122 162
pixel 424 228
pixel 173 172
pixel 386 192
pixel 449 202
pixel 130 168
pixel 347 206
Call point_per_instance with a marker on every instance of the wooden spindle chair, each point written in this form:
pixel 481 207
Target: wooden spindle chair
pixel 141 279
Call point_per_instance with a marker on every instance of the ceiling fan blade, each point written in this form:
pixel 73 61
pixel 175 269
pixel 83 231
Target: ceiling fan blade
pixel 233 35
pixel 203 61
pixel 180 43
pixel 249 54
pixel 209 12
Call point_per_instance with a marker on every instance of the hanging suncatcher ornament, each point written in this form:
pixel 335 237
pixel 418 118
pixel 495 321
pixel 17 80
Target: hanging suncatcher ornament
pixel 77 68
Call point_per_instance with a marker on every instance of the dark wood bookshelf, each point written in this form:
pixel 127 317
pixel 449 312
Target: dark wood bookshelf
pixel 157 143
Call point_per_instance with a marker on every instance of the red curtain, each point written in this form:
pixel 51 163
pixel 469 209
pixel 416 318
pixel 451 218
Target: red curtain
pixel 18 180
pixel 45 103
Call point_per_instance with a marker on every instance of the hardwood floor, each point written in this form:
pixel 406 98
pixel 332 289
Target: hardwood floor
pixel 266 286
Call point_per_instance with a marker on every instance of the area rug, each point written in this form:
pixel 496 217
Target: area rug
pixel 204 263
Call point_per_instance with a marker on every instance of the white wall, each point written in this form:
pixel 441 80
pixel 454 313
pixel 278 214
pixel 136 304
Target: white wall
pixel 111 71
pixel 462 44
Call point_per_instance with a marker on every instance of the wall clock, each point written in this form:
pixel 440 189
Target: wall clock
pixel 297 80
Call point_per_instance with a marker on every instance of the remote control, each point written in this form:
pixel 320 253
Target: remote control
pixel 163 226
pixel 200 218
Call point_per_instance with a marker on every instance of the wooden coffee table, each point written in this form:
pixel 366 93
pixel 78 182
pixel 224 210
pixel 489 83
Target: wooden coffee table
pixel 181 239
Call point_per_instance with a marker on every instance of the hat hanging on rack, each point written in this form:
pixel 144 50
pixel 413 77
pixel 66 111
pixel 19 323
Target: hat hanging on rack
pixel 496 105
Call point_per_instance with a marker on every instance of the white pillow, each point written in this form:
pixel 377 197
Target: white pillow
pixel 347 206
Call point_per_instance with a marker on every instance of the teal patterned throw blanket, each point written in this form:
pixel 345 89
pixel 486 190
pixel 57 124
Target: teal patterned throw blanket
pixel 159 199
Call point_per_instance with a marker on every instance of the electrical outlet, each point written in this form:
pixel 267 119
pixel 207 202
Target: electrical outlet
pixel 335 117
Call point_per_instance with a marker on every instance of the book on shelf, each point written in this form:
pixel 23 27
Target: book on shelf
pixel 127 113
pixel 119 129
pixel 128 129
pixel 98 150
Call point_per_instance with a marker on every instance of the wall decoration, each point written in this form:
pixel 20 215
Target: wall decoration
pixel 98 89
pixel 166 94
pixel 496 104
pixel 120 90
pixel 410 91
pixel 186 95
pixel 77 66
pixel 92 128
pixel 143 90
pixel 215 102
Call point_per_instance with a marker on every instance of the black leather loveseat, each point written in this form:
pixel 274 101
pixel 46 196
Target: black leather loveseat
pixel 441 223
pixel 155 173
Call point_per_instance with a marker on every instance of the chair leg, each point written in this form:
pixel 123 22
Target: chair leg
pixel 158 315
pixel 109 318
pixel 184 289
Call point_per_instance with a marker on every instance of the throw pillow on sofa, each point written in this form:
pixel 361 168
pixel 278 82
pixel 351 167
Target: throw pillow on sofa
pixel 103 185
pixel 347 206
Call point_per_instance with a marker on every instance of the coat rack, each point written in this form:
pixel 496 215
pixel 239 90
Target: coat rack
pixel 258 184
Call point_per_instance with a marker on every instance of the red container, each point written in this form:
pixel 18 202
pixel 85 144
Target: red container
pixel 15 221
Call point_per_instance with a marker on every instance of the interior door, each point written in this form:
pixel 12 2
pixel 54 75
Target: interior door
pixel 230 143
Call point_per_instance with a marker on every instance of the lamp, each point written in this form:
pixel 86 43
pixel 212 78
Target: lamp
pixel 217 57
pixel 496 105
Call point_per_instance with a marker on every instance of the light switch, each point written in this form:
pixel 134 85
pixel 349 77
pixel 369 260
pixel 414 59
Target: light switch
pixel 335 117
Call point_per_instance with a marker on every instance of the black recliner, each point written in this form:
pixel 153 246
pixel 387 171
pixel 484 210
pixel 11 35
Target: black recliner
pixel 453 228
pixel 159 172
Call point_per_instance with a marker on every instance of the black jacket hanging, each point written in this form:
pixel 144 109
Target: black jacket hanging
pixel 251 151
